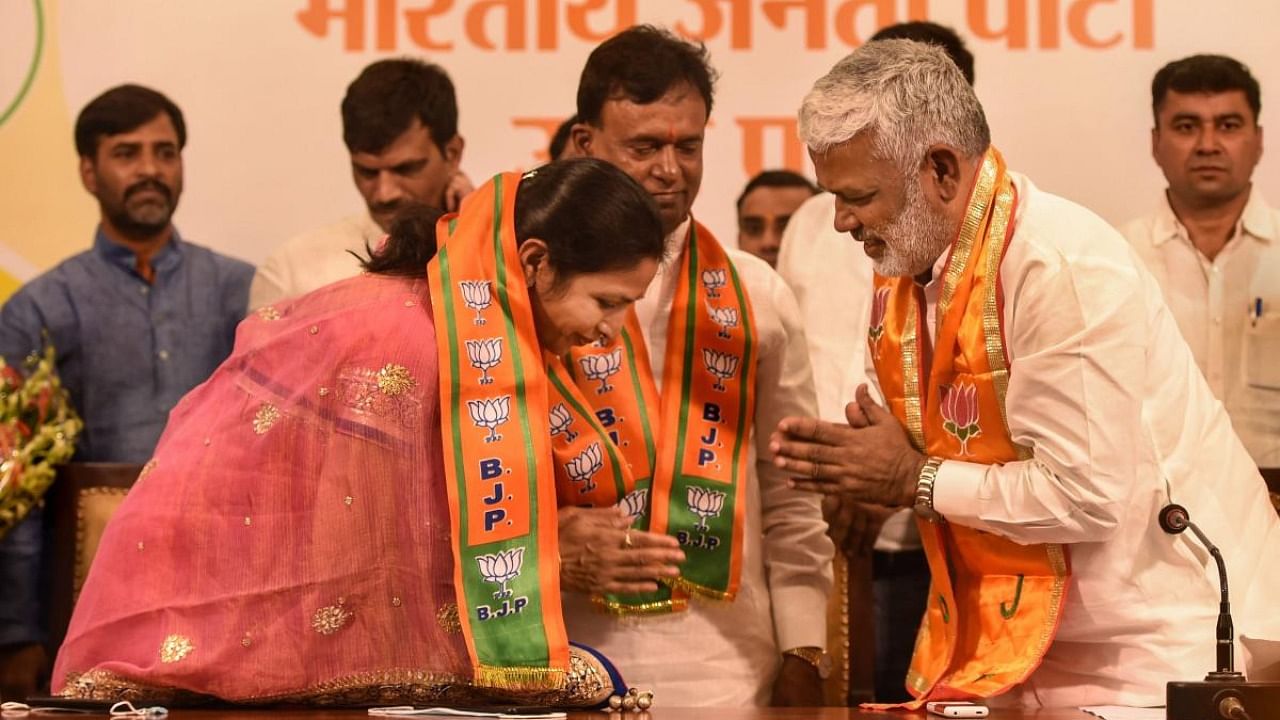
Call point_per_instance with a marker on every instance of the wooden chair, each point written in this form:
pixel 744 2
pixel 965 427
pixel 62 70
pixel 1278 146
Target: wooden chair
pixel 81 501
pixel 1272 478
pixel 851 633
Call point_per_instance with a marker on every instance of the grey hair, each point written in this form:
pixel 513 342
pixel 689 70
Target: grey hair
pixel 910 95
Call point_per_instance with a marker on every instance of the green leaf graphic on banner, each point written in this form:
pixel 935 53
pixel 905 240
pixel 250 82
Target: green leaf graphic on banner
pixel 32 67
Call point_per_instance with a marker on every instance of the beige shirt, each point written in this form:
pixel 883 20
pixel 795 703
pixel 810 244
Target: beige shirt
pixel 720 653
pixel 1120 422
pixel 314 259
pixel 1215 303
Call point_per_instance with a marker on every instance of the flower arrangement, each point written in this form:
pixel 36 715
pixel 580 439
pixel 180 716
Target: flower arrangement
pixel 38 431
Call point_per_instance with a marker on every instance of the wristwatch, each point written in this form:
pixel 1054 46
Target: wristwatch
pixel 924 489
pixel 815 656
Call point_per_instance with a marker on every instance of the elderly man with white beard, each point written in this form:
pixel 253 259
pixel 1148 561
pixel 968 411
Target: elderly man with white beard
pixel 1041 409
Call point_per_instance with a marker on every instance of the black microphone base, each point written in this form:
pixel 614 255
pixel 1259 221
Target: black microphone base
pixel 1202 700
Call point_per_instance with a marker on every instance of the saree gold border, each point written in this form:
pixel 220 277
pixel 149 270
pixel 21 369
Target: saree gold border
pixel 911 376
pixel 983 191
pixel 402 682
pixel 104 685
pixel 991 320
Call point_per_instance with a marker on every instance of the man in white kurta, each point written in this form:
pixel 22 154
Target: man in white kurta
pixel 763 646
pixel 314 259
pixel 1102 392
pixel 831 279
pixel 727 653
pixel 1121 422
pixel 1213 242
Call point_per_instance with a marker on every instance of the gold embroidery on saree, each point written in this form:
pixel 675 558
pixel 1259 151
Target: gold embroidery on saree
pixel 384 393
pixel 266 417
pixel 587 685
pixel 395 380
pixel 330 619
pixel 175 648
pixel 448 620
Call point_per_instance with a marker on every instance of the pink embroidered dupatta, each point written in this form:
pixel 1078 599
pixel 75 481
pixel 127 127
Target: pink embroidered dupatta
pixel 290 539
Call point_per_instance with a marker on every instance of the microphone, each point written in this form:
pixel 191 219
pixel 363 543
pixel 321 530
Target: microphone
pixel 1224 692
pixel 1174 519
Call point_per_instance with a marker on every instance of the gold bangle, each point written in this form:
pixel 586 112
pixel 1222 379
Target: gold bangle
pixel 924 489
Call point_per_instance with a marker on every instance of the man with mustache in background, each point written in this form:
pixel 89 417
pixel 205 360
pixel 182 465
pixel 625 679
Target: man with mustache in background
pixel 1213 242
pixel 137 321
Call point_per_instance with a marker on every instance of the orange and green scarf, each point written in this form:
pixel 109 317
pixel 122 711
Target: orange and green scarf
pixel 607 416
pixel 994 605
pixel 497 451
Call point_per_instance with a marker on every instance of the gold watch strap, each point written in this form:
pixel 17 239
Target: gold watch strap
pixel 924 489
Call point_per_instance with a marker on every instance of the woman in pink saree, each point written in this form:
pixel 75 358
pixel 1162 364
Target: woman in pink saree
pixel 292 539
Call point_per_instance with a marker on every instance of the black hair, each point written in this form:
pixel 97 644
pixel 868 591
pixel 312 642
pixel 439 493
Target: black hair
pixel 776 178
pixel 592 216
pixel 121 109
pixel 933 34
pixel 409 246
pixel 1205 74
pixel 387 96
pixel 561 138
pixel 641 64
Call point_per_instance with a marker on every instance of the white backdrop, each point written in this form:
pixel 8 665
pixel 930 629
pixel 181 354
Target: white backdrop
pixel 1065 84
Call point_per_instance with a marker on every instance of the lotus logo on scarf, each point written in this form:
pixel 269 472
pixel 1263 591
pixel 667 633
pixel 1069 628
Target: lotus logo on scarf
pixel 634 503
pixel 560 422
pixel 477 296
pixel 879 305
pixel 583 468
pixel 959 407
pixel 490 414
pixel 501 568
pixel 726 318
pixel 706 504
pixel 602 367
pixel 485 355
pixel 721 365
pixel 713 280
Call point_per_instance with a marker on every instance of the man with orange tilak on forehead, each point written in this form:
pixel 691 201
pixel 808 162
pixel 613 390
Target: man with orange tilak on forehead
pixel 1042 410
pixel 687 394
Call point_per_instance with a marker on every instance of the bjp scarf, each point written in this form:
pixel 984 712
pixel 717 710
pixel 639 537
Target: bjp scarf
pixel 497 451
pixel 994 605
pixel 607 415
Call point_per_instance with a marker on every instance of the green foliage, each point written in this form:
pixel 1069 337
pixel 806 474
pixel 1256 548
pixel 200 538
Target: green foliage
pixel 38 431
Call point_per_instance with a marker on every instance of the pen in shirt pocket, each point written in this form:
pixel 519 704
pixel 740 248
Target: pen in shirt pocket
pixel 1255 311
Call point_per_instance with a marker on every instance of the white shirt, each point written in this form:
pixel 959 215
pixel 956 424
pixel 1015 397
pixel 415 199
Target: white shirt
pixel 1106 394
pixel 314 259
pixel 831 278
pixel 1215 303
pixel 728 653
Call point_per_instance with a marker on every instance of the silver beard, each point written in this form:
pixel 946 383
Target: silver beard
pixel 914 239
